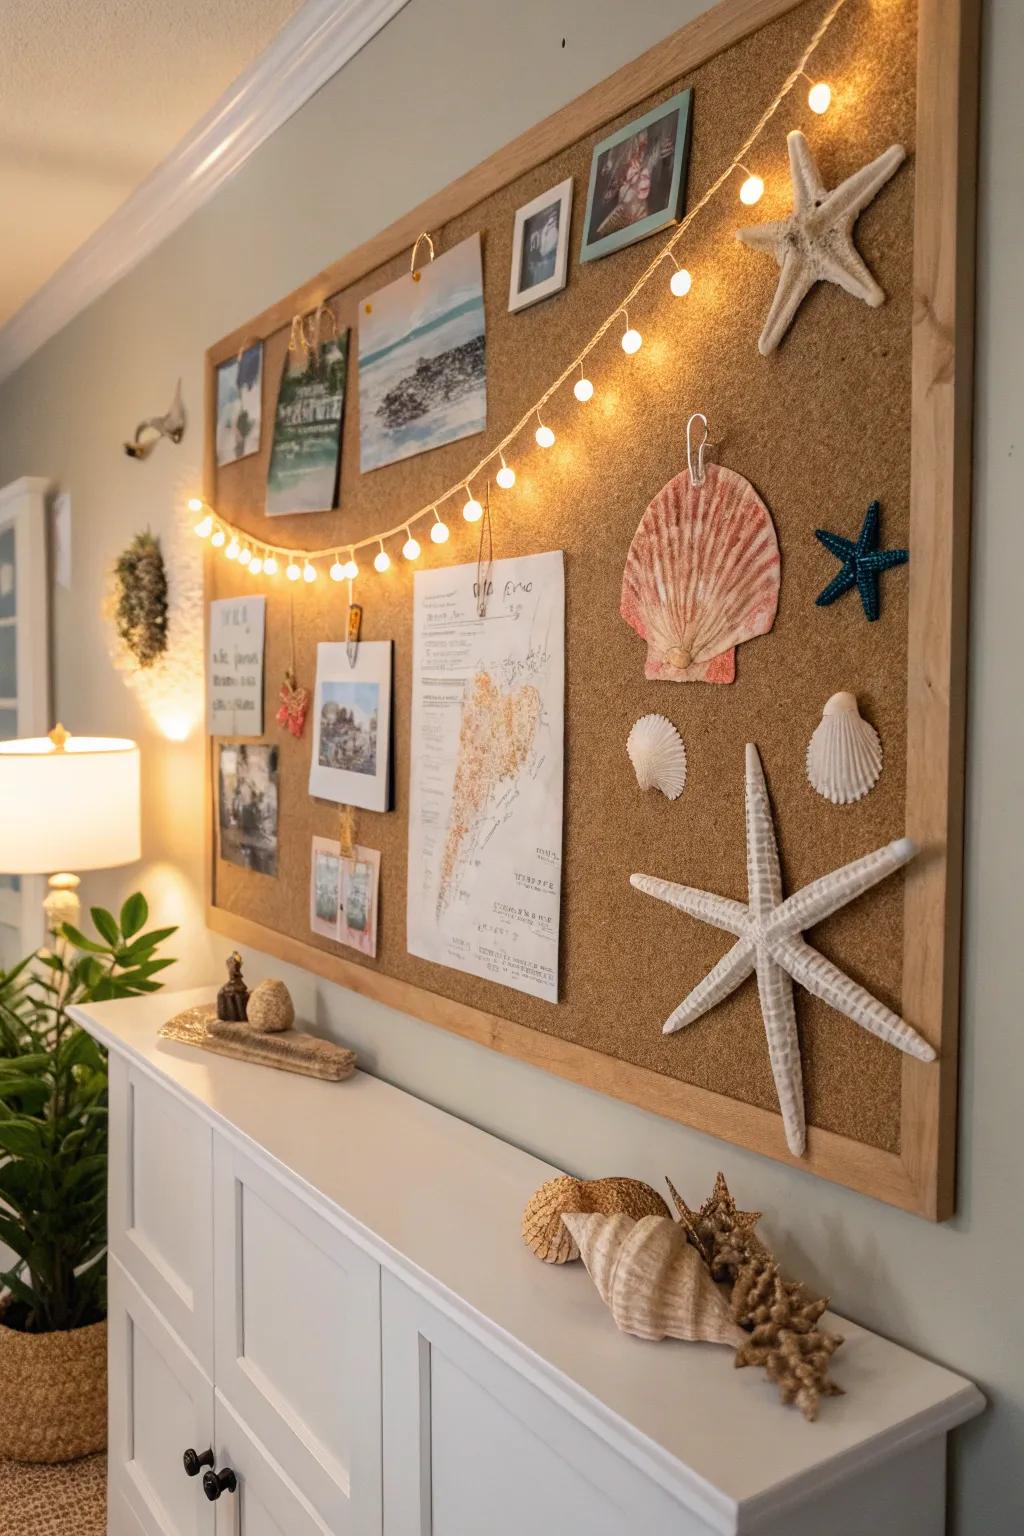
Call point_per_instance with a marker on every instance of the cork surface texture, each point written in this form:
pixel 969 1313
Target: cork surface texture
pixel 821 428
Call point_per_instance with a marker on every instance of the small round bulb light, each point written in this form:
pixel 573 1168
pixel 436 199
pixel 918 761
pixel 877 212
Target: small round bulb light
pixel 439 532
pixel 680 283
pixel 308 572
pixel 472 511
pixel 219 538
pixel 545 437
pixel 583 390
pixel 631 340
pixel 293 573
pixel 233 550
pixel 245 555
pixel 411 548
pixel 255 565
pixel 337 571
pixel 194 504
pixel 270 566
pixel 506 476
pixel 381 560
pixel 351 568
pixel 205 527
pixel 819 97
pixel 752 191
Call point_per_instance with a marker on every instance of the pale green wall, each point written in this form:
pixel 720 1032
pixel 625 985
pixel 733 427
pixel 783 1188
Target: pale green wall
pixel 443 86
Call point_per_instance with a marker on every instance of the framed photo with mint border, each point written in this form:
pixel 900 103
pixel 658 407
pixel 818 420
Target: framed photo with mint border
pixel 638 178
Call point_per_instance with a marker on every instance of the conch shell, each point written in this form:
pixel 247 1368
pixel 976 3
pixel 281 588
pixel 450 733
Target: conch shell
pixel 653 1281
pixel 658 756
pixel 543 1232
pixel 702 575
pixel 844 756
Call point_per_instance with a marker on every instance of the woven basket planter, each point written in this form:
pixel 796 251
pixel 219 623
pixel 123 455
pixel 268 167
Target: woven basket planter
pixel 53 1394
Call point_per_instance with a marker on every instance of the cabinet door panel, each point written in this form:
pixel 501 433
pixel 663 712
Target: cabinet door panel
pixel 161 1403
pixel 471 1446
pixel 298 1339
pixel 161 1168
pixel 265 1503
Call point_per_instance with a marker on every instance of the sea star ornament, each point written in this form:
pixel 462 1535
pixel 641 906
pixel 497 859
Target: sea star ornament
pixel 815 244
pixel 719 1212
pixel 769 943
pixel 862 564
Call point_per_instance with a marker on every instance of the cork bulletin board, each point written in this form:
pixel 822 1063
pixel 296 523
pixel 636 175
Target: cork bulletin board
pixel 856 405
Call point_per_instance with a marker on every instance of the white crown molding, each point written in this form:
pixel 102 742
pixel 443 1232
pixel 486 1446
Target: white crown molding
pixel 319 39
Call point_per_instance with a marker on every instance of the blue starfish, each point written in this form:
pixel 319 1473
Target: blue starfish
pixel 862 564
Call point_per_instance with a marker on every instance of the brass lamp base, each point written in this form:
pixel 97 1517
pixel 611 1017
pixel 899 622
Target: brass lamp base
pixel 62 904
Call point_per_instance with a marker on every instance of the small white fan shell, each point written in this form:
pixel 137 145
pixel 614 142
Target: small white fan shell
pixel 844 756
pixel 658 756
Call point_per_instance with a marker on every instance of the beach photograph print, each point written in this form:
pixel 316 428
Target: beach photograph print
pixel 240 405
pixel 350 761
pixel 638 179
pixel 248 807
pixel 306 451
pixel 540 246
pixel 325 887
pixel 422 370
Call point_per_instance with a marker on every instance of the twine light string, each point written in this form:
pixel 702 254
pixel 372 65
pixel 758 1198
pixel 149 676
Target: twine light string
pixel 302 562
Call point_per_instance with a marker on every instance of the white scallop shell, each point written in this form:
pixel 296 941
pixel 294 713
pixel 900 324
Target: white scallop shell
pixel 844 756
pixel 658 756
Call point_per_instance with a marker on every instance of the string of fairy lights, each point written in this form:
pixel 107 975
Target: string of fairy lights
pixel 263 558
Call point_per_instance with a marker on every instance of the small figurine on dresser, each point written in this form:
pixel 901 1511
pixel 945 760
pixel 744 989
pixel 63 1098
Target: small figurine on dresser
pixel 234 994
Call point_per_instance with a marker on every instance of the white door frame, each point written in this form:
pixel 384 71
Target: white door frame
pixel 23 505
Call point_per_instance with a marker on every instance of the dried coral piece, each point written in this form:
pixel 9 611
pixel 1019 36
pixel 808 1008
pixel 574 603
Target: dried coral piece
pixel 779 1317
pixel 701 576
pixel 543 1232
pixel 651 1279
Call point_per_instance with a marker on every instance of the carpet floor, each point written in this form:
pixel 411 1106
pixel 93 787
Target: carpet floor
pixel 69 1499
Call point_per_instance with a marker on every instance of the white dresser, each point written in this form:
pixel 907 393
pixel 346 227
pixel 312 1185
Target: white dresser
pixel 320 1290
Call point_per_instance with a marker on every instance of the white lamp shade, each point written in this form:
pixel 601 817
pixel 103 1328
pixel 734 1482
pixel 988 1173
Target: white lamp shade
pixel 71 809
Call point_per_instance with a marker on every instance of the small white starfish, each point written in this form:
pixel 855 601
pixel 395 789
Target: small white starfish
pixel 769 942
pixel 815 244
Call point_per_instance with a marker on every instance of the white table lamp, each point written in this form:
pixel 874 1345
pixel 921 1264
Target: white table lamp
pixel 68 802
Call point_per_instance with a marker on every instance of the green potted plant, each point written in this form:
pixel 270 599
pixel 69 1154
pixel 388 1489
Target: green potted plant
pixel 53 1182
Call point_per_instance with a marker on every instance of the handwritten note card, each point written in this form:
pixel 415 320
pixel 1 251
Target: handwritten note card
pixel 236 666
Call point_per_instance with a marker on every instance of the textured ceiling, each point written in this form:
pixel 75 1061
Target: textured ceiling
pixel 93 95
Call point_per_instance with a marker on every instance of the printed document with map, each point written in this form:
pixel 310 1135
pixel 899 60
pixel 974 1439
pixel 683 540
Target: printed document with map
pixel 485 798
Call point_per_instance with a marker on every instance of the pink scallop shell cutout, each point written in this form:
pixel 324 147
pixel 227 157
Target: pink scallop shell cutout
pixel 701 576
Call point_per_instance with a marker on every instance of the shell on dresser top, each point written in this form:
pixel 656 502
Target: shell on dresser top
pixel 653 1281
pixel 543 1232
pixel 701 576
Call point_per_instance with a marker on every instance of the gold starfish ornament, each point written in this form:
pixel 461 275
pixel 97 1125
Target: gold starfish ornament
pixel 719 1213
pixel 815 244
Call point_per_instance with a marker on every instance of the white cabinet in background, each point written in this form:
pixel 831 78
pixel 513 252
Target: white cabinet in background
pixel 320 1290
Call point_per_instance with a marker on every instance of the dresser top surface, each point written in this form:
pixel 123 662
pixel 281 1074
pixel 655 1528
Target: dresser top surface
pixel 437 1197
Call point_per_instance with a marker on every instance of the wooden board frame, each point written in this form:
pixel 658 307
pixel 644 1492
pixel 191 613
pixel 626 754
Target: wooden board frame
pixel 921 1176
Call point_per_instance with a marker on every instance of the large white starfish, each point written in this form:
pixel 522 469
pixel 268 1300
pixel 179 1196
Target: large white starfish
pixel 815 244
pixel 769 942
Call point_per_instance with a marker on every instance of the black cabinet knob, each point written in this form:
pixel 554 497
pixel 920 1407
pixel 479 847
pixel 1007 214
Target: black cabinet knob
pixel 195 1461
pixel 216 1483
